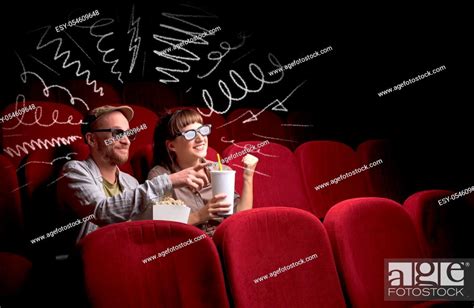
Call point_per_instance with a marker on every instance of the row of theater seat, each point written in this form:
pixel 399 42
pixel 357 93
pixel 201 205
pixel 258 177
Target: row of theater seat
pixel 234 268
pixel 283 177
pixel 224 128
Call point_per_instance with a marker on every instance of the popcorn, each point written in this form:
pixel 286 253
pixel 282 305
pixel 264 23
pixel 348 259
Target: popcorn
pixel 249 160
pixel 169 201
pixel 171 210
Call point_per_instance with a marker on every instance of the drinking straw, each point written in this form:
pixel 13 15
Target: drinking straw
pixel 219 162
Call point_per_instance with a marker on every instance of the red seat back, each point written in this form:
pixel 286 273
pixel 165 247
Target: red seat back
pixel 11 213
pixel 117 276
pixel 211 154
pixel 442 228
pixel 15 271
pixel 323 161
pixel 141 116
pixel 142 162
pixel 255 244
pixel 150 94
pixel 384 180
pixel 79 88
pixel 363 232
pixel 277 181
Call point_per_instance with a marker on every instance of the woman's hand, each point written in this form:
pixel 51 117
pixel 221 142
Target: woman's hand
pixel 210 210
pixel 250 163
pixel 217 205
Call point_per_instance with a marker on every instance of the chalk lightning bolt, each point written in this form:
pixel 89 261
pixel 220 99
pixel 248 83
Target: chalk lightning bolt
pixel 134 27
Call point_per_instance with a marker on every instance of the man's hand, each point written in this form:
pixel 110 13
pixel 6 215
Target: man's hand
pixel 192 177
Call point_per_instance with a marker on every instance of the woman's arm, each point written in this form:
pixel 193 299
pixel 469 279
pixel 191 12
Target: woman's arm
pixel 246 199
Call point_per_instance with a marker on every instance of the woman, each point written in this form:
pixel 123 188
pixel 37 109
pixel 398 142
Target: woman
pixel 181 142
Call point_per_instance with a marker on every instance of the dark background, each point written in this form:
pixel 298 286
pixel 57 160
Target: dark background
pixel 374 48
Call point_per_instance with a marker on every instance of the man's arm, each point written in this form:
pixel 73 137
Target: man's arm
pixel 79 191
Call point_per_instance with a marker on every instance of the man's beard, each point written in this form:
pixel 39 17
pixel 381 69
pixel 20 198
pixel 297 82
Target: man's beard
pixel 114 157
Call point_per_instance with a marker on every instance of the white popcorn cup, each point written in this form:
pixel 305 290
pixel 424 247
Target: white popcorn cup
pixel 224 182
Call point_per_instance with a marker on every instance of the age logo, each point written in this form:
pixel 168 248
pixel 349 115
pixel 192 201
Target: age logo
pixel 428 279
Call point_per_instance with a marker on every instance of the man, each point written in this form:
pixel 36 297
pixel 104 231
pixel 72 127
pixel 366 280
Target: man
pixel 97 186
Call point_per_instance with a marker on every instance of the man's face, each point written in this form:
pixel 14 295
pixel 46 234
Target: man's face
pixel 115 151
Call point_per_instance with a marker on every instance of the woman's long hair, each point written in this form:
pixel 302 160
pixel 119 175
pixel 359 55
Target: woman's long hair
pixel 169 125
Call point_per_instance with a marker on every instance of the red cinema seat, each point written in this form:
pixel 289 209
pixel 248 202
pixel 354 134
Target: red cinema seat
pixel 211 154
pixel 34 90
pixel 109 95
pixel 43 213
pixel 11 213
pixel 323 161
pixel 150 94
pixel 119 269
pixel 363 232
pixel 15 275
pixel 278 257
pixel 142 162
pixel 267 126
pixel 48 126
pixel 142 116
pixel 384 180
pixel 444 229
pixel 277 181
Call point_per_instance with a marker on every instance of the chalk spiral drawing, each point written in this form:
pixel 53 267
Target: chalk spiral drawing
pixel 41 144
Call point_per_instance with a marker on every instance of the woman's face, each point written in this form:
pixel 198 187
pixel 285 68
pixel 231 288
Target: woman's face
pixel 187 150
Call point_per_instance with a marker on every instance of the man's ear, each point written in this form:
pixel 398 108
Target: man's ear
pixel 90 139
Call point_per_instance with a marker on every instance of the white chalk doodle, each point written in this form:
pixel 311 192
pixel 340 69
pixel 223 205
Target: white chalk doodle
pixel 247 146
pixel 47 162
pixel 218 56
pixel 135 40
pixel 20 187
pixel 42 63
pixel 38 116
pixel 41 144
pixel 66 55
pixel 79 46
pixel 297 125
pixel 276 105
pixel 54 181
pixel 21 97
pixel 255 171
pixel 256 73
pixel 101 37
pixel 244 55
pixel 183 67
